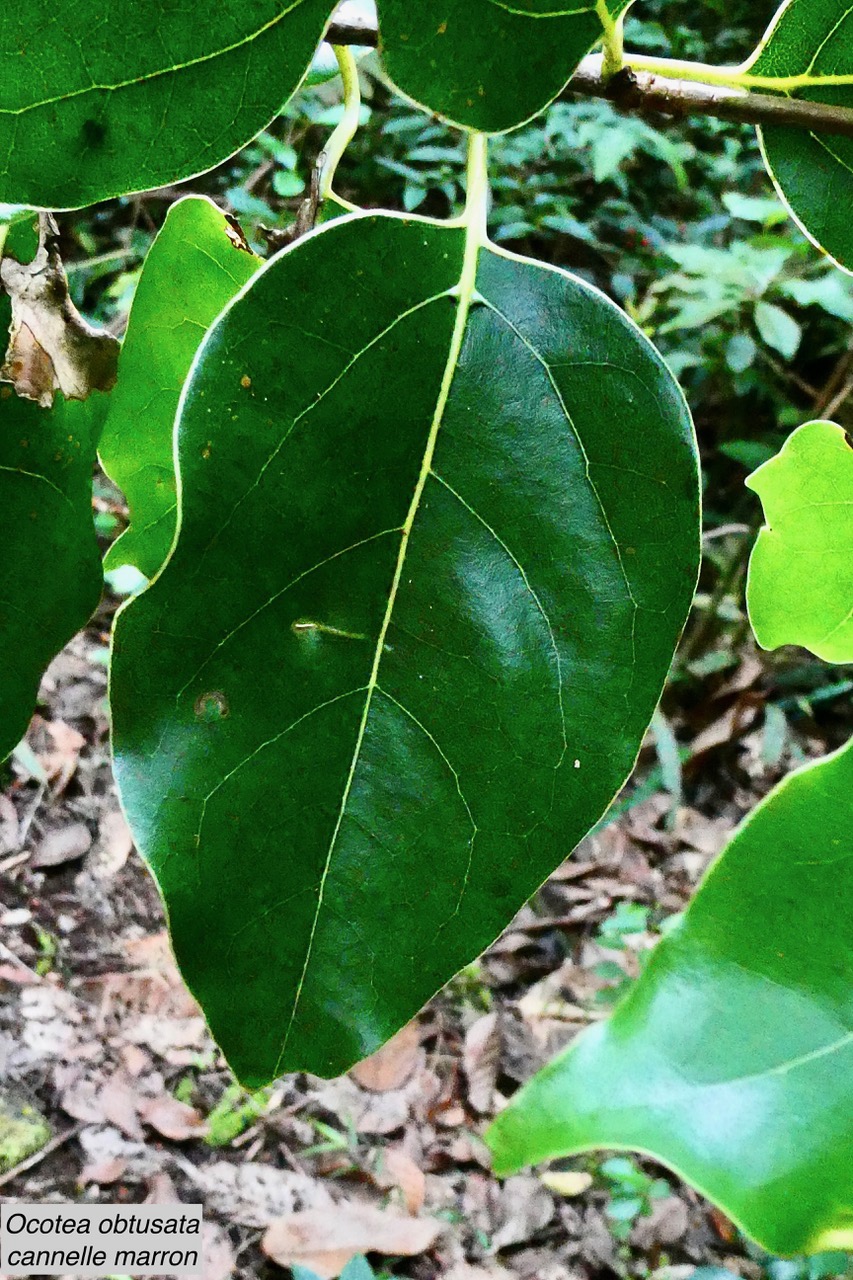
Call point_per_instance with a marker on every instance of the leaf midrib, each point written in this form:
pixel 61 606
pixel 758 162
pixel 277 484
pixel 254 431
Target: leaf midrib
pixel 465 293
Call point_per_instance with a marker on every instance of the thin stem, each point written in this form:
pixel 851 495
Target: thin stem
pixel 476 211
pixel 732 77
pixel 477 195
pixel 645 93
pixel 679 88
pixel 614 39
pixel 346 130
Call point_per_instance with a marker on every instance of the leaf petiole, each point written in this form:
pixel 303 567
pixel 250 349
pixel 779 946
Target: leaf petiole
pixel 345 131
pixel 614 39
pixel 732 77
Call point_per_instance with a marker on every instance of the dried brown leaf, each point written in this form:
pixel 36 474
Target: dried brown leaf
pixel 58 748
pixel 114 843
pixel 51 347
pixel 392 1065
pixel 63 844
pixel 81 1100
pixel 728 728
pixel 173 1119
pixel 162 1190
pixel 401 1171
pixel 481 1060
pixel 219 1257
pixel 104 1172
pixel 665 1225
pixel 325 1241
pixel 119 1105
pixel 524 1209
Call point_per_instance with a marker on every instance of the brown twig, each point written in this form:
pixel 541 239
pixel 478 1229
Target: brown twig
pixel 642 93
pixel 838 385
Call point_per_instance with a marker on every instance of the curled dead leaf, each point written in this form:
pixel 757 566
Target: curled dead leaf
pixel 51 347
pixel 481 1060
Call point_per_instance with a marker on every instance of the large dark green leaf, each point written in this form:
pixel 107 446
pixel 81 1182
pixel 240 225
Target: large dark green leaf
pixel 102 97
pixel 732 1059
pixel 813 173
pixel 50 570
pixel 488 64
pixel 436 546
pixel 800 588
pixel 195 266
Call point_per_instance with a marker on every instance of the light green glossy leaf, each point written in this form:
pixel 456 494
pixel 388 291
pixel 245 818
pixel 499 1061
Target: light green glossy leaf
pixel 812 173
pixel 800 586
pixel 50 571
pixel 103 97
pixel 195 266
pixel 488 64
pixel 437 543
pixel 731 1060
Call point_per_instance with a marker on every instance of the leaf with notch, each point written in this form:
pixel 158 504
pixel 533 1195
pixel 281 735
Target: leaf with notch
pixel 103 97
pixel 731 1061
pixel 488 64
pixel 438 537
pixel 800 585
pixel 195 266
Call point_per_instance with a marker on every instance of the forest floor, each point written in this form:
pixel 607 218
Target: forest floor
pixel 101 1042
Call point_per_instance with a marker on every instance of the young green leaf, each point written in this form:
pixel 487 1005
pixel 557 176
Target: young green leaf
pixel 103 97
pixel 195 266
pixel 50 572
pixel 731 1060
pixel 800 586
pixel 808 50
pixel 438 537
pixel 487 64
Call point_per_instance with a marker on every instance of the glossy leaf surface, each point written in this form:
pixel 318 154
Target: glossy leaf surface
pixel 486 64
pixel 813 173
pixel 800 586
pixel 732 1059
pixel 432 565
pixel 102 97
pixel 195 266
pixel 50 570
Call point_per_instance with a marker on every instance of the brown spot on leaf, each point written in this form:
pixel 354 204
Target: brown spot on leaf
pixel 236 235
pixel 211 707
